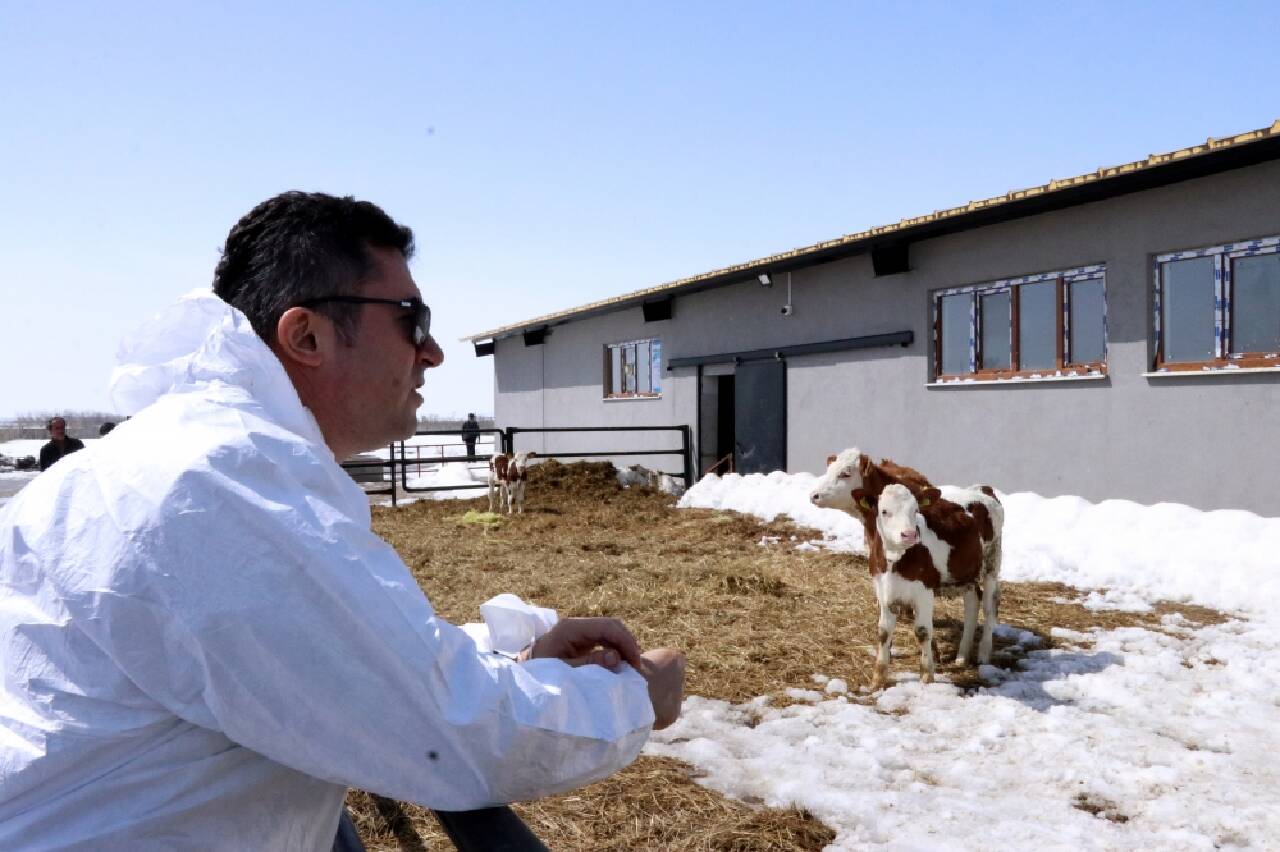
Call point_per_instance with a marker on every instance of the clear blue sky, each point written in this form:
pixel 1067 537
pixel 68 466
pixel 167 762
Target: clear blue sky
pixel 551 154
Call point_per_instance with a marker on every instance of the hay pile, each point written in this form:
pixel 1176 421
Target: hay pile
pixel 754 619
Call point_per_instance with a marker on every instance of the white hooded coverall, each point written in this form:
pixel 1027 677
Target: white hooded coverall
pixel 203 643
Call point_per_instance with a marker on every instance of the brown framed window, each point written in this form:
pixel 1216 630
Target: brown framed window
pixel 1048 325
pixel 633 370
pixel 1218 307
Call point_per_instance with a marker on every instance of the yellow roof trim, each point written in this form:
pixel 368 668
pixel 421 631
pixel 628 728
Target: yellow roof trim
pixel 1055 185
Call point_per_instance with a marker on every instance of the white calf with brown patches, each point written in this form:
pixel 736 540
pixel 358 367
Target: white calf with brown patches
pixel 918 548
pixel 507 475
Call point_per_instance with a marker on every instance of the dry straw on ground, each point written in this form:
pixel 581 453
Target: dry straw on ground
pixel 754 619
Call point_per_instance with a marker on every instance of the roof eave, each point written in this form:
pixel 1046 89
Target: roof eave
pixel 1158 170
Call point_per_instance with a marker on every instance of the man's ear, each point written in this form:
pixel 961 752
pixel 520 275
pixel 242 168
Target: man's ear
pixel 303 336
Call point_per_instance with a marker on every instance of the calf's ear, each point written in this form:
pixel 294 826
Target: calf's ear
pixel 864 501
pixel 928 497
pixel 831 459
pixel 865 464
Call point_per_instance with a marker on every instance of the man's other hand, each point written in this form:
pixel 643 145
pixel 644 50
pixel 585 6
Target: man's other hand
pixel 607 642
pixel 663 668
pixel 580 641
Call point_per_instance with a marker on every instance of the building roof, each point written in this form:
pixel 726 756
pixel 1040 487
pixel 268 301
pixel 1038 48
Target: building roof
pixel 1210 157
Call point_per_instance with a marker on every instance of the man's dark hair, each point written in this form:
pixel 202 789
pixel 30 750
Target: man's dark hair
pixel 303 245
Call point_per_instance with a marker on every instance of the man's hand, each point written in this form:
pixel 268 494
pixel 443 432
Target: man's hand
pixel 663 668
pixel 607 642
pixel 582 641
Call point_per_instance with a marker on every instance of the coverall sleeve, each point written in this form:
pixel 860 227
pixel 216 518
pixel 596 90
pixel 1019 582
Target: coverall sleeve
pixel 292 629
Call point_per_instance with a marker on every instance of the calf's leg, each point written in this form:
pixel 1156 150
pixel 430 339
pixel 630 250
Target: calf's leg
pixel 964 654
pixel 990 597
pixel 924 633
pixel 888 620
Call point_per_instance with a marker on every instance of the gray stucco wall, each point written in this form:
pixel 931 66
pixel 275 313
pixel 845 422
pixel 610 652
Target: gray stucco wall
pixel 1207 441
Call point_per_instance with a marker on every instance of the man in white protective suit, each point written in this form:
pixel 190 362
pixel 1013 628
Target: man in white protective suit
pixel 204 644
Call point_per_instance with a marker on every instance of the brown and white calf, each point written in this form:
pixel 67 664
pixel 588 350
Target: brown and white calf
pixel 919 548
pixel 507 475
pixel 853 469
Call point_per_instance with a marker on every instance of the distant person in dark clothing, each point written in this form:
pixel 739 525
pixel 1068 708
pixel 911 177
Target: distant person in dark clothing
pixel 470 432
pixel 105 428
pixel 61 444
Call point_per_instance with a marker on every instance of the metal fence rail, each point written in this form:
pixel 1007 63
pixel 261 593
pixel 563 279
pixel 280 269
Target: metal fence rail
pixel 500 439
pixel 362 465
pixel 399 461
pixel 683 450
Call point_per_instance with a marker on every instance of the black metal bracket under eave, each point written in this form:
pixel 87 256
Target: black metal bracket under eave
pixel 869 341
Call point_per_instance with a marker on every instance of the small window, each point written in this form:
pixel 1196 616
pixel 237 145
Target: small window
pixel 957 314
pixel 1087 333
pixel 997 351
pixel 1255 304
pixel 1218 307
pixel 1036 326
pixel 1189 309
pixel 633 370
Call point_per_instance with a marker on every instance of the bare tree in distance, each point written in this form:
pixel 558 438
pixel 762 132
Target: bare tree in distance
pixel 34 424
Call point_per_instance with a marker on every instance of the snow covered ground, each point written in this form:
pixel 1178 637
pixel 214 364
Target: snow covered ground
pixel 1119 739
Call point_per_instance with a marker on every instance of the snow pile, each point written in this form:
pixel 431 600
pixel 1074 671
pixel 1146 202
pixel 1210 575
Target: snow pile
pixel 635 475
pixel 768 495
pixel 450 473
pixel 1224 559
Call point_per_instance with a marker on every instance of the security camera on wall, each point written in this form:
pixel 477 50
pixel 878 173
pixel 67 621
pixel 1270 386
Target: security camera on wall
pixel 787 310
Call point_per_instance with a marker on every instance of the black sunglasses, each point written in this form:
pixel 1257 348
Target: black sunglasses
pixel 421 313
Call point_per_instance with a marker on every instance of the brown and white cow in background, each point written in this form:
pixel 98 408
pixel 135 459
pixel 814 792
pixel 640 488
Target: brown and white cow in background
pixel 507 475
pixel 917 548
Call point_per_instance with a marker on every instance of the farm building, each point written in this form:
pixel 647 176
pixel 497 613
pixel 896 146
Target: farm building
pixel 1113 334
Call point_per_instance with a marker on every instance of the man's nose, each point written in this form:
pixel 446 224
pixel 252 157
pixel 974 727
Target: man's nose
pixel 430 352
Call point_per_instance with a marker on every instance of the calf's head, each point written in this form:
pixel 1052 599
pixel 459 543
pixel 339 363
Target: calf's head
pixel 519 466
pixel 896 513
pixel 844 473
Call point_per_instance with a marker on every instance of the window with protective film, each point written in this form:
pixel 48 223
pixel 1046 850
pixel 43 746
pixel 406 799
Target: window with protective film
pixel 1218 308
pixel 633 370
pixel 1047 325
